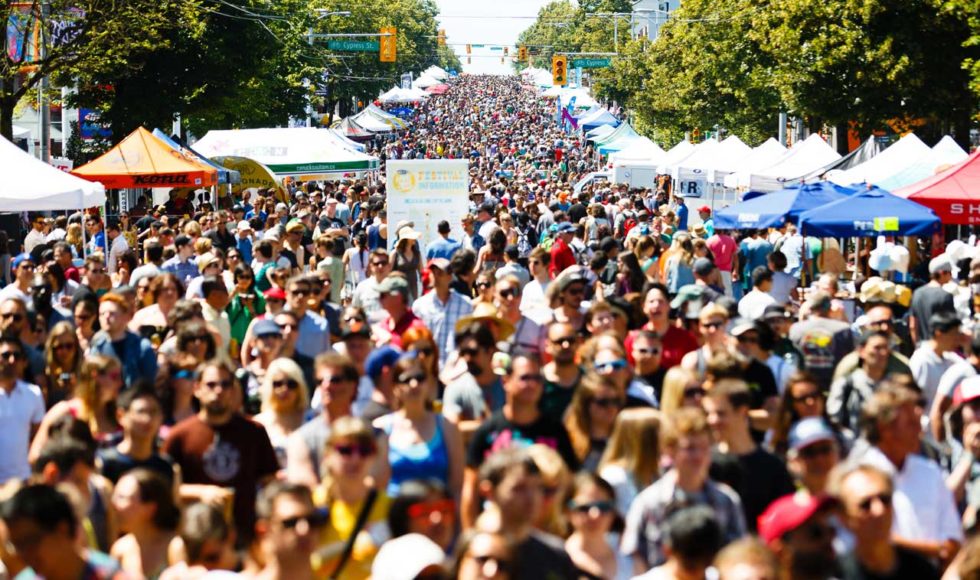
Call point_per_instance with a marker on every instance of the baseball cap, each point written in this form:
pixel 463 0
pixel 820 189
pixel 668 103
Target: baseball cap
pixel 294 225
pixel 940 263
pixel 569 277
pixel 266 327
pixel 565 228
pixel 393 283
pixel 23 257
pixel 243 226
pixel 703 266
pixel 275 293
pixel 819 301
pixel 775 312
pixel 380 358
pixel 789 513
pixel 281 207
pixel 406 557
pixel 967 390
pixel 237 207
pixel 182 240
pixel 740 326
pixel 808 431
pixel 439 264
pixel 704 209
pixel 686 293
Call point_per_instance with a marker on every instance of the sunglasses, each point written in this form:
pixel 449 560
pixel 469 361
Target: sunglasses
pixel 64 346
pixel 425 350
pixel 608 403
pixel 363 450
pixel 316 519
pixel 576 291
pixel 538 378
pixel 425 509
pixel 884 497
pixel 604 506
pixel 483 285
pixel 197 338
pixel 509 293
pixel 225 385
pixel 469 352
pixel 97 271
pixel 714 324
pixel 408 378
pixel 11 355
pixel 300 292
pixel 111 374
pixel 183 374
pixel 289 384
pixel 565 341
pixel 379 263
pixel 692 392
pixel 611 366
pixel 807 398
pixel 15 316
pixel 649 351
pixel 816 450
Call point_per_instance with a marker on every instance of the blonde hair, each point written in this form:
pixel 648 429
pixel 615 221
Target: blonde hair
pixel 192 228
pixel 635 445
pixel 554 474
pixel 675 382
pixel 87 390
pixel 73 236
pixel 202 245
pixel 291 370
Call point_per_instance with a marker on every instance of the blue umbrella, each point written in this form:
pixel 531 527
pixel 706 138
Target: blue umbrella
pixel 774 209
pixel 870 212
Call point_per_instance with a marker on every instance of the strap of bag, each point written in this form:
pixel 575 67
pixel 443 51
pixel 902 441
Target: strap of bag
pixel 358 526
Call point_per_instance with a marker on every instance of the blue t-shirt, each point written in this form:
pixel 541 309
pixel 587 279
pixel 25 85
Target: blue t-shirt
pixel 681 213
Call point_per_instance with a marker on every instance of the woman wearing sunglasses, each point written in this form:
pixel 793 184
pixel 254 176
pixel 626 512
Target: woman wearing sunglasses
pixel 62 361
pixel 94 402
pixel 801 399
pixel 421 443
pixel 346 490
pixel 592 514
pixel 591 416
pixel 284 397
pixel 712 321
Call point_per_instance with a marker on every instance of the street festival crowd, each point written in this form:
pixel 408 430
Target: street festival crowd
pixel 582 385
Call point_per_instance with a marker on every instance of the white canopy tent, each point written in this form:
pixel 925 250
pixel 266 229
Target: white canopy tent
pixel 305 153
pixel 642 151
pixel 809 155
pixel 600 132
pixel 435 72
pixel 944 154
pixel 763 156
pixel 425 81
pixel 898 156
pixel 30 184
pixel 701 152
pixel 676 154
pixel 400 95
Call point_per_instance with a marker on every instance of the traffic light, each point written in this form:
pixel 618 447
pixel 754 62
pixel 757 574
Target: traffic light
pixel 469 49
pixel 559 70
pixel 388 52
pixel 442 37
pixel 506 51
pixel 522 53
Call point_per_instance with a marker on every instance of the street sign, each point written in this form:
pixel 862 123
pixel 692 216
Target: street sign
pixel 592 62
pixel 354 45
pixel 406 81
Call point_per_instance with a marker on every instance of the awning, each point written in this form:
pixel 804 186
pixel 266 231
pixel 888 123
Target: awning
pixel 953 194
pixel 871 212
pixel 225 175
pixel 30 184
pixel 141 160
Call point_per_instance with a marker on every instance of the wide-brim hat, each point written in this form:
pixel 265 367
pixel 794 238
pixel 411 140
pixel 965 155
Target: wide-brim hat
pixel 485 312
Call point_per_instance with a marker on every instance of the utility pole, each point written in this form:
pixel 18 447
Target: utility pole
pixel 43 106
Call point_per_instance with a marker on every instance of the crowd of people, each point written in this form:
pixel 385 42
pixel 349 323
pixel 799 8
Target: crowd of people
pixel 587 384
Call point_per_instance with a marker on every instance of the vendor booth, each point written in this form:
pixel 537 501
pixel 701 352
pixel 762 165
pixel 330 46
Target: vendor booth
pixel 870 212
pixel 943 155
pixel 772 210
pixel 953 194
pixel 30 184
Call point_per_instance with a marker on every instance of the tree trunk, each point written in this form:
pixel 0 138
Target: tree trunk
pixel 7 118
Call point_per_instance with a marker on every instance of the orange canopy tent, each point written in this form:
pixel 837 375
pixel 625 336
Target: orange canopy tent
pixel 141 160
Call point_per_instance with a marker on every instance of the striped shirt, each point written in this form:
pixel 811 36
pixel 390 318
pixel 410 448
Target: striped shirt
pixel 441 317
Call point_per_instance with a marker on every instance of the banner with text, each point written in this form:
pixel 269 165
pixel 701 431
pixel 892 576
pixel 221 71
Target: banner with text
pixel 426 192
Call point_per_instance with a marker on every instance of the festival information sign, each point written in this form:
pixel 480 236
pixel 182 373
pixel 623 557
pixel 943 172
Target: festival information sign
pixel 426 192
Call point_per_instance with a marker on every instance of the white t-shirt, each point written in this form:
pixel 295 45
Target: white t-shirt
pixel 20 410
pixel 927 368
pixel 753 304
pixel 532 297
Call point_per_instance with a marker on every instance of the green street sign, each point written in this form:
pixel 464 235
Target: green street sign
pixel 354 45
pixel 592 63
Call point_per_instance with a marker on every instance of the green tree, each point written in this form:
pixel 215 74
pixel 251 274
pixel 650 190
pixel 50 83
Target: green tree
pixel 61 38
pixel 871 63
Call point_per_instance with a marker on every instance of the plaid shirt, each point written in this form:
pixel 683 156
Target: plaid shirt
pixel 441 317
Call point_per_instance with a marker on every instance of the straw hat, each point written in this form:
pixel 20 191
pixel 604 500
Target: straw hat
pixel 486 312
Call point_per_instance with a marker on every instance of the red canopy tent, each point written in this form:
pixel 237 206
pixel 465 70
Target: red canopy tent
pixel 437 89
pixel 141 160
pixel 954 194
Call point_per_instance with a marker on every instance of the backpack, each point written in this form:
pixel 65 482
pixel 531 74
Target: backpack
pixel 524 246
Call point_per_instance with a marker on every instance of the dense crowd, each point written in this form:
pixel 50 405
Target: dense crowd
pixel 584 384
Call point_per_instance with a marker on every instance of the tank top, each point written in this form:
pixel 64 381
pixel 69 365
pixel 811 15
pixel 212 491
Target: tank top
pixel 426 460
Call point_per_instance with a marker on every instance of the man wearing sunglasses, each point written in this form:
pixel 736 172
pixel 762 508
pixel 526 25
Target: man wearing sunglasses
pixel 866 497
pixel 21 410
pixel 442 308
pixel 800 532
pixel 288 527
pixel 22 267
pixel 813 452
pixel 519 423
pixel 223 457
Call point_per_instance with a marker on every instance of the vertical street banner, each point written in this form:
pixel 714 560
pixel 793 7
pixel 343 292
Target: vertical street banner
pixel 425 192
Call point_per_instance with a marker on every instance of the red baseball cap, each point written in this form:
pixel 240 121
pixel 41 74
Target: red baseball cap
pixel 790 512
pixel 704 209
pixel 275 293
pixel 967 390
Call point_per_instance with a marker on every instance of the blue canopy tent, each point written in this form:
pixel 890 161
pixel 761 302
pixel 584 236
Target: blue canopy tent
pixel 597 119
pixel 774 209
pixel 225 175
pixel 870 212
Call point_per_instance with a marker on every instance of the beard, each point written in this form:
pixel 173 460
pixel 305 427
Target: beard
pixel 474 369
pixel 814 566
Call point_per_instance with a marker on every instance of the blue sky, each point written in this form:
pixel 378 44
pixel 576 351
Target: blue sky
pixel 496 22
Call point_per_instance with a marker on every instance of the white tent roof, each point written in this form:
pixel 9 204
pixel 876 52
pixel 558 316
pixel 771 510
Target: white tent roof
pixel 600 132
pixel 344 141
pixel 400 95
pixel 676 154
pixel 764 155
pixel 642 150
pixel 895 159
pixel 30 184
pixel 583 100
pixel 714 162
pixel 302 152
pixel 810 155
pixel 945 153
pixel 425 81
pixel 436 73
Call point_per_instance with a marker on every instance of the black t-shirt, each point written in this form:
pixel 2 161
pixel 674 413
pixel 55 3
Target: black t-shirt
pixel 577 212
pixel 543 557
pixel 759 478
pixel 116 464
pixel 557 398
pixel 910 566
pixel 926 301
pixel 761 382
pixel 498 433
